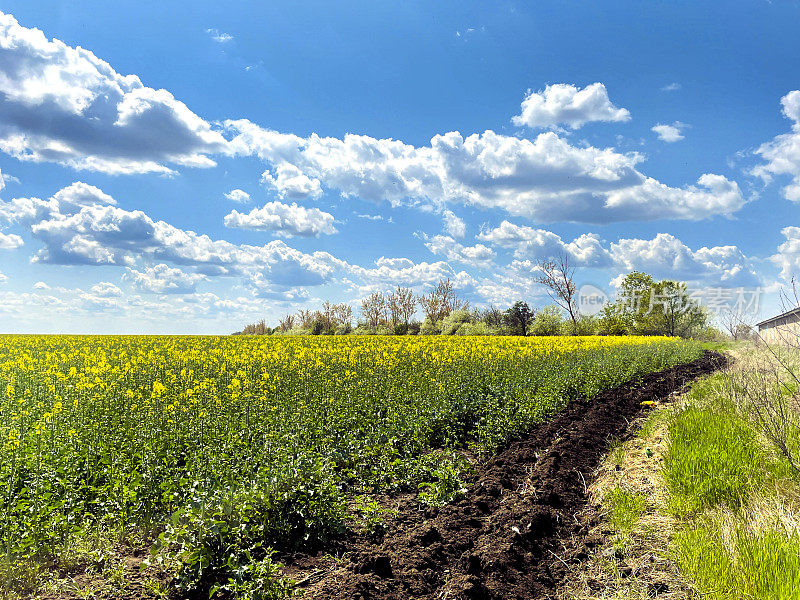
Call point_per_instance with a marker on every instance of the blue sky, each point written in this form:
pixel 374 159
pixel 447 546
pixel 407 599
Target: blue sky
pixel 179 171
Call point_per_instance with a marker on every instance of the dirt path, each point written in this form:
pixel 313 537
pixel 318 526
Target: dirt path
pixel 520 525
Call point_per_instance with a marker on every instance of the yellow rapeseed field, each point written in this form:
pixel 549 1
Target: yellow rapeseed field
pixel 120 432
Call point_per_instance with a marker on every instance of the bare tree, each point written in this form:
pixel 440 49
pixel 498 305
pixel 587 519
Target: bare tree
pixel 286 323
pixel 431 305
pixel 492 316
pixel 373 309
pixel 441 301
pixel 768 391
pixel 306 317
pixel 737 325
pixel 408 304
pixel 402 305
pixel 343 314
pixel 556 275
pixel 328 314
pixel 450 301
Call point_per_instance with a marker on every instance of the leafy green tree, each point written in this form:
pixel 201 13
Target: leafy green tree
pixel 672 311
pixel 547 321
pixel 649 307
pixel 612 320
pixel 518 317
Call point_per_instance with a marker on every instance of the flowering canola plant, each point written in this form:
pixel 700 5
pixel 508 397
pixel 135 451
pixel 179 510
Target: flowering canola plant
pixel 123 431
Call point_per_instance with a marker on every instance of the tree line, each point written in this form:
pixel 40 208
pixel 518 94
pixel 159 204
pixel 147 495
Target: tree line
pixel 643 306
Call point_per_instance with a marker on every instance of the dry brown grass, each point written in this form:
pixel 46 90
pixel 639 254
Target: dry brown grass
pixel 634 564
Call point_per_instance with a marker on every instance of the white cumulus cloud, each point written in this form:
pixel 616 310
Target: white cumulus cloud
pixel 238 195
pixel 565 104
pixel 10 241
pixel 669 133
pixel 540 244
pixel 479 256
pixel 65 105
pixel 105 289
pixel 788 255
pixel 163 279
pixel 545 179
pixel 284 219
pixel 668 257
pixel 782 154
pixel 290 182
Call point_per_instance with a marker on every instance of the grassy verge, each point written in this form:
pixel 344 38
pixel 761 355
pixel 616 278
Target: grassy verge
pixel 733 483
pixel 704 501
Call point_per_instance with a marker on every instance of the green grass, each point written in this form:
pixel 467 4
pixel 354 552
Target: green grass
pixel 713 458
pixel 738 541
pixel 751 566
pixel 624 509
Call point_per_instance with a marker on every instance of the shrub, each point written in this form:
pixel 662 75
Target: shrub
pixel 547 321
pixel 475 329
pixel 401 329
pixel 584 325
pixel 429 327
pixel 450 324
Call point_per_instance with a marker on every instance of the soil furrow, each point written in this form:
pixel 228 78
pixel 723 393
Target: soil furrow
pixel 520 525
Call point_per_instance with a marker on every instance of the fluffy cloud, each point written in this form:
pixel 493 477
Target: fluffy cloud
pixel 66 202
pixel 565 104
pixel 390 272
pixel 284 219
pixel 713 195
pixel 666 256
pixel 104 289
pixel 41 285
pixel 782 154
pixel 290 182
pixel 63 104
pixel 162 279
pixel 238 195
pixel 529 243
pixel 103 234
pixel 81 311
pixel 454 225
pixel 3 277
pixel 546 179
pixel 669 133
pixel 10 241
pixel 663 256
pixel 82 194
pixel 479 256
pixel 788 255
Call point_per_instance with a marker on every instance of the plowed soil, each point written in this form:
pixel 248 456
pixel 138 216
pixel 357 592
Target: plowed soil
pixel 522 522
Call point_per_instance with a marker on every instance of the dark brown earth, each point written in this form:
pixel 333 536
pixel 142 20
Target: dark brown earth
pixel 518 528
